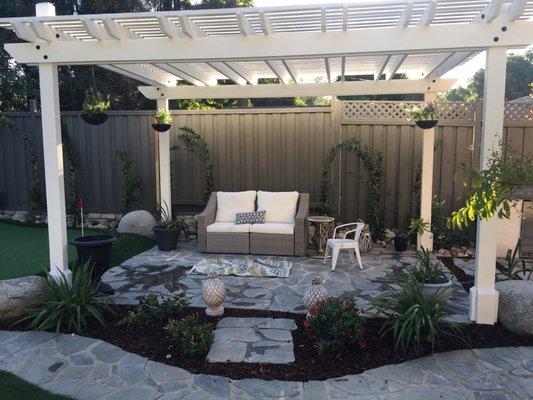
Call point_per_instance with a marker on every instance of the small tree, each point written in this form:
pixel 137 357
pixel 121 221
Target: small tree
pixel 131 181
pixel 493 188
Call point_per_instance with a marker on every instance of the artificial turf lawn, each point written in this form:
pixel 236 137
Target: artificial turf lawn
pixel 24 248
pixel 14 388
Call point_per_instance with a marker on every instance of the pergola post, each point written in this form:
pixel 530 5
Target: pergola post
pixel 483 295
pixel 164 163
pixel 53 161
pixel 426 193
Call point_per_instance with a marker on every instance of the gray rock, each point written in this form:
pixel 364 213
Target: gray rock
pixel 139 222
pixel 216 385
pixel 17 295
pixel 515 309
pixel 259 388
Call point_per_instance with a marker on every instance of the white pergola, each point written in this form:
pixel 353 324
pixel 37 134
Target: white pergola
pixel 309 49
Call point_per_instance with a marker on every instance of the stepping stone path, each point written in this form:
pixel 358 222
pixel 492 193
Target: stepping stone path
pixel 253 340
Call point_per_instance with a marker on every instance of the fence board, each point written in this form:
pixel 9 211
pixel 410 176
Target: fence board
pixel 268 149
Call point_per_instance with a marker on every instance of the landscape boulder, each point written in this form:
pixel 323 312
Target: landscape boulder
pixel 139 222
pixel 17 295
pixel 515 310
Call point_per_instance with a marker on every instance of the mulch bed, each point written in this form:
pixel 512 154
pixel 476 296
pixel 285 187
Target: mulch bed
pixel 152 342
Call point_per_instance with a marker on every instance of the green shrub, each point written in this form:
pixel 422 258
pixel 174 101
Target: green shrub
pixel 162 116
pixel 414 320
pixel 95 102
pixel 426 271
pixel 335 324
pixel 192 337
pixel 67 307
pixel 153 308
pixel 428 111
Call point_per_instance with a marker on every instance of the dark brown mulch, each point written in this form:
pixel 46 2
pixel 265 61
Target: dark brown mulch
pixel 151 341
pixel 466 280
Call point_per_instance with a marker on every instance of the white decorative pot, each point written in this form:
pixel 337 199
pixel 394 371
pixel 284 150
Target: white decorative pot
pixel 315 294
pixel 213 294
pixel 443 289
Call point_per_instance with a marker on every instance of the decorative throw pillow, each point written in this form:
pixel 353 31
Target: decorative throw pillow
pixel 256 217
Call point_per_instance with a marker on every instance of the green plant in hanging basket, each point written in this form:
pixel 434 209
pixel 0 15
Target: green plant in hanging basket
pixel 162 116
pixel 95 102
pixel 425 112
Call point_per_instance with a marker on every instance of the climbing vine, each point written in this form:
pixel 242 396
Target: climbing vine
pixel 37 200
pixel 197 145
pixel 70 157
pixel 373 165
pixel 131 181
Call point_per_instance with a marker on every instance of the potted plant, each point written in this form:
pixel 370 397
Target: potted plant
pixel 417 225
pixel 430 276
pixel 95 107
pixel 163 119
pixel 425 116
pixel 167 231
pixel 182 228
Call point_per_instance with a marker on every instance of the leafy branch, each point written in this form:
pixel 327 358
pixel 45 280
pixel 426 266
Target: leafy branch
pixel 493 189
pixel 131 181
pixel 197 145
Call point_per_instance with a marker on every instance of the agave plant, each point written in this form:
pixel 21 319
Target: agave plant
pixel 67 306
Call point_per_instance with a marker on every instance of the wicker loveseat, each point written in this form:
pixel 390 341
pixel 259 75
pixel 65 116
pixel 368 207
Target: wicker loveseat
pixel 284 231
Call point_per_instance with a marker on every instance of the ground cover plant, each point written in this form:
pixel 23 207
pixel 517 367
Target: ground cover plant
pixel 154 308
pixel 191 337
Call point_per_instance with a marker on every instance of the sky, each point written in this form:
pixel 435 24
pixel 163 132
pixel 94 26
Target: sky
pixel 462 73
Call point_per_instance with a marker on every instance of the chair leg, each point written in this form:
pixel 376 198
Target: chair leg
pixel 358 254
pixel 351 254
pixel 326 252
pixel 334 258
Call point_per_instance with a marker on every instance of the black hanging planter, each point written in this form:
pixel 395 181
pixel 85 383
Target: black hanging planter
pixel 167 239
pixel 400 242
pixel 427 124
pixel 97 249
pixel 161 127
pixel 94 118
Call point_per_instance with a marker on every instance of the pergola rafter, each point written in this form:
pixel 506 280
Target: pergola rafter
pixel 298 45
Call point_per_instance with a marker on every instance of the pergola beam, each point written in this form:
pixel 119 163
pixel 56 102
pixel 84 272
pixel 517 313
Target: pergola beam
pixel 395 67
pixel 396 86
pixel 227 72
pixel 300 45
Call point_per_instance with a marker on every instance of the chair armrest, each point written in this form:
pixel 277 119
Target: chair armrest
pixel 205 218
pixel 342 226
pixel 301 229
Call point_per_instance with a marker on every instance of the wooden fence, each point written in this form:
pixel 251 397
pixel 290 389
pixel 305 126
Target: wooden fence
pixel 268 149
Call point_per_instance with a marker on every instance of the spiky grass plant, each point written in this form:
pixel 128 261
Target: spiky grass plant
pixel 69 307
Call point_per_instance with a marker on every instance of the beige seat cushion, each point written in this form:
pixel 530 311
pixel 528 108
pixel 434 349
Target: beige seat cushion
pixel 231 203
pixel 228 227
pixel 273 228
pixel 280 207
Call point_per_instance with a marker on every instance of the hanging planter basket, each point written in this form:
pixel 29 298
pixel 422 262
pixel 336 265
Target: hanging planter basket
pixel 427 124
pixel 161 127
pixel 94 118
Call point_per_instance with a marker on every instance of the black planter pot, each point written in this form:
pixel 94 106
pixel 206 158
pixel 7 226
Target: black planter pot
pixel 94 118
pixel 161 127
pixel 427 124
pixel 400 242
pixel 96 248
pixel 166 238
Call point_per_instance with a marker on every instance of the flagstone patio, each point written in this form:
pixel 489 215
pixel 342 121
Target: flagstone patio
pixel 165 272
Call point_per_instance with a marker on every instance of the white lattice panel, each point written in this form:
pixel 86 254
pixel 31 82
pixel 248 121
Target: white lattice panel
pixel 397 110
pixel 519 111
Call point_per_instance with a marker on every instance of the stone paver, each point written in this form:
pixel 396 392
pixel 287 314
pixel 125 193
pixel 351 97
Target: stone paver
pixel 164 272
pixel 253 340
pixel 501 373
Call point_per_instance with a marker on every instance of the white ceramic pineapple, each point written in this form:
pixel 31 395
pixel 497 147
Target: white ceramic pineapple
pixel 213 294
pixel 315 293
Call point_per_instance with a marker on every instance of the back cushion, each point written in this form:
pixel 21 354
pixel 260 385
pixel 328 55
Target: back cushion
pixel 231 203
pixel 280 207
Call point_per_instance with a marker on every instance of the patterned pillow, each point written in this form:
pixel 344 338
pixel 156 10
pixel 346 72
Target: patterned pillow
pixel 256 217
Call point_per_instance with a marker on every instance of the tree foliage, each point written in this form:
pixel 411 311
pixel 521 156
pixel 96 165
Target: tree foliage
pixel 518 83
pixel 493 188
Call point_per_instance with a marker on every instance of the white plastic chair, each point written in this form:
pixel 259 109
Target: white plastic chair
pixel 352 245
